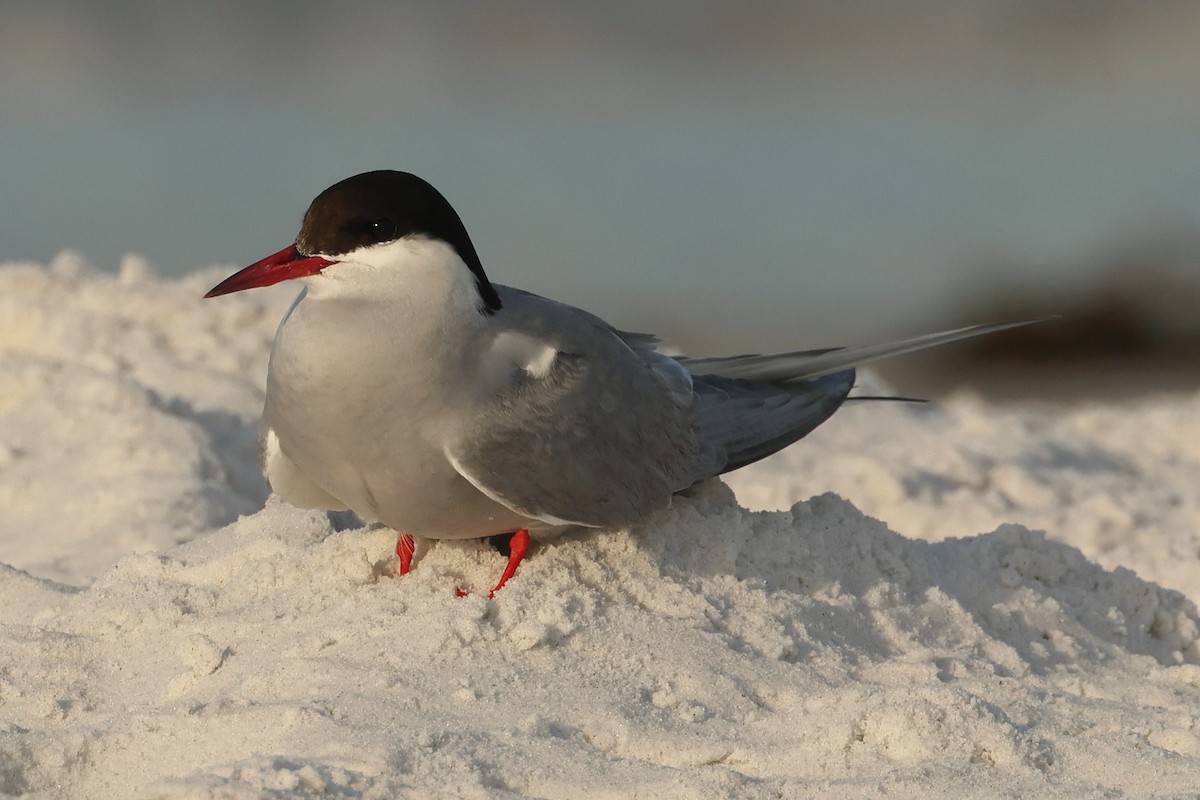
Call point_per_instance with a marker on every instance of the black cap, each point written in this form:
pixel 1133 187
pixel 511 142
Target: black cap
pixel 383 206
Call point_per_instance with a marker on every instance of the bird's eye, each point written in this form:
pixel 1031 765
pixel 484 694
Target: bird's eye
pixel 373 231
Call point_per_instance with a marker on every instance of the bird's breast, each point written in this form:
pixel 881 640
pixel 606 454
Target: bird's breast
pixel 363 407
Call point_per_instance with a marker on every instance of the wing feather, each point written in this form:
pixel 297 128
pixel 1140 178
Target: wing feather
pixel 749 421
pixel 804 364
pixel 611 428
pixel 602 437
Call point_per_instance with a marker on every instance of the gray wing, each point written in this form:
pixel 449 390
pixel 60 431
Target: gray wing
pixel 751 406
pixel 742 421
pixel 748 420
pixel 612 428
pixel 806 364
pixel 602 437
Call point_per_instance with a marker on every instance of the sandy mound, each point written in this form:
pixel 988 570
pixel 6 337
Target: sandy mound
pixel 713 652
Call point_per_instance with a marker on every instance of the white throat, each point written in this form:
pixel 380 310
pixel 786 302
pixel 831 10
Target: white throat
pixel 408 305
pixel 425 276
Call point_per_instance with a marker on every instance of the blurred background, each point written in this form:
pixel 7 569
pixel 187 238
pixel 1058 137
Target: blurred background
pixel 732 175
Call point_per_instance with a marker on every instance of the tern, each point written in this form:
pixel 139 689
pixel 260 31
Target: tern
pixel 405 386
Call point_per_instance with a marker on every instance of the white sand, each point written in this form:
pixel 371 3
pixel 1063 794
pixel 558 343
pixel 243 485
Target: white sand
pixel 715 652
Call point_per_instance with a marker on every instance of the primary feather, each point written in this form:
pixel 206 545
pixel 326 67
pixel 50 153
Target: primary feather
pixel 804 364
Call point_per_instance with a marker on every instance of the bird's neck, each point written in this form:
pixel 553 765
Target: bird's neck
pixel 426 277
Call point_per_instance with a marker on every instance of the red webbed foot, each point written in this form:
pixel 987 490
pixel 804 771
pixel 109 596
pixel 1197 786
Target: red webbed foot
pixel 405 547
pixel 518 544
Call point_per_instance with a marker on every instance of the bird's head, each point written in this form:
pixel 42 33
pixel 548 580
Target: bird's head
pixel 372 227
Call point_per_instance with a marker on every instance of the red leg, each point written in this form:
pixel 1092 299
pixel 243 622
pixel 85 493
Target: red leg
pixel 516 551
pixel 405 546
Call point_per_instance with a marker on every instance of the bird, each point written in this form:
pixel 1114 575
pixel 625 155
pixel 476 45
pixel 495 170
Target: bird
pixel 407 387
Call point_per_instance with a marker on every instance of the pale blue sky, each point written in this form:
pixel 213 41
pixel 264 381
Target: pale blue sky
pixel 759 175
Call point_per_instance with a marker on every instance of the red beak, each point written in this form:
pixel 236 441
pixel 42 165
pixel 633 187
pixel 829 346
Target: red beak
pixel 288 263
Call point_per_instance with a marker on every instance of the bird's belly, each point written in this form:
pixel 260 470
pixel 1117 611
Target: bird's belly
pixel 397 475
pixel 368 425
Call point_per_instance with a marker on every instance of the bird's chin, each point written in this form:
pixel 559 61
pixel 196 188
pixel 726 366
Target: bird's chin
pixel 285 265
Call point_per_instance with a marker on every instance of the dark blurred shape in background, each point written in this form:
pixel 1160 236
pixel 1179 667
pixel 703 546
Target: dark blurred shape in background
pixel 1134 330
pixel 733 175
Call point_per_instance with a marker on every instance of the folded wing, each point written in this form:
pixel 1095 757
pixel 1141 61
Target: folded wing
pixel 610 429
